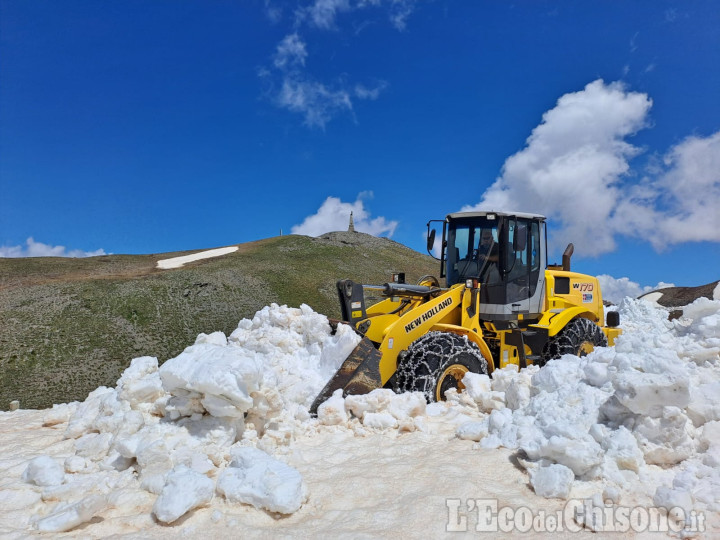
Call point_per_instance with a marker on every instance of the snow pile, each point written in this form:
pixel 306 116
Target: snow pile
pixel 255 478
pixel 618 414
pixel 187 430
pixel 380 409
pixel 221 424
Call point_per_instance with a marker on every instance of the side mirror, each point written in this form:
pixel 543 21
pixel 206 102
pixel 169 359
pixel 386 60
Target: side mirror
pixel 431 240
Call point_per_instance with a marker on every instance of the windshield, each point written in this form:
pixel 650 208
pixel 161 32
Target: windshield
pixel 473 250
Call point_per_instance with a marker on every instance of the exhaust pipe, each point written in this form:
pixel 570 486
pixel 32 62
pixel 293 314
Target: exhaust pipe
pixel 566 257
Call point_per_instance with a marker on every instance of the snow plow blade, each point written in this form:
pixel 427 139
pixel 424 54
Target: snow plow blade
pixel 359 374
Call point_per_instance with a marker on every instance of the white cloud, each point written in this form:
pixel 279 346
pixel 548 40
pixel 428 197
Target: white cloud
pixel 575 170
pixel 363 92
pixel 298 91
pixel 291 52
pixel 292 87
pixel 573 164
pixel 614 290
pixel 273 12
pixel 316 102
pixel 334 215
pixel 322 13
pixel 398 10
pixel 680 201
pixel 38 249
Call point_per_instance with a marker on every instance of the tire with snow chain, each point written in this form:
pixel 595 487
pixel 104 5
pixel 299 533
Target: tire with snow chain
pixel 579 337
pixel 437 362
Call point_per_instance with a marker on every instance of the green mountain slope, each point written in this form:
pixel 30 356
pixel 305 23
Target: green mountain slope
pixel 68 326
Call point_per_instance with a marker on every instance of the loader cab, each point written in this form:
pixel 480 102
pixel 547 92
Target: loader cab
pixel 505 252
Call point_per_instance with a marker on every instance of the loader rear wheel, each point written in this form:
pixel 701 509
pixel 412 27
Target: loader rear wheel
pixel 430 281
pixel 579 337
pixel 437 362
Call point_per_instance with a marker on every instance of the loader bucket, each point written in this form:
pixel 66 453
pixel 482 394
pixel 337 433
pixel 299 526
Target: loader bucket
pixel 359 374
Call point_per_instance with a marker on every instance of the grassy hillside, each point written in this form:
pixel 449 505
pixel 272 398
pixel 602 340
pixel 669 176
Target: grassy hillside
pixel 68 326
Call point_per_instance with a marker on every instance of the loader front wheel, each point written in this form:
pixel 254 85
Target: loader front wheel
pixel 579 337
pixel 437 362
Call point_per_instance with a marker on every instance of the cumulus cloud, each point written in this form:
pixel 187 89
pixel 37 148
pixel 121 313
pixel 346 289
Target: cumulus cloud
pixel 572 166
pixel 575 169
pixel 38 249
pixel 679 202
pixel 334 215
pixel 615 289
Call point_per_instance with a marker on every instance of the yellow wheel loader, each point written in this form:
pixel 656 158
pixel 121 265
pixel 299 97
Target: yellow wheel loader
pixel 502 304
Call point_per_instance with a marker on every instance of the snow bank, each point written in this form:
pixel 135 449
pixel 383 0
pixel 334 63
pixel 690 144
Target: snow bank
pixel 186 430
pixel 221 424
pixel 617 414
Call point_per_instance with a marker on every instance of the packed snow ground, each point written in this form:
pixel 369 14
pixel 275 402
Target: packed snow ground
pixel 219 441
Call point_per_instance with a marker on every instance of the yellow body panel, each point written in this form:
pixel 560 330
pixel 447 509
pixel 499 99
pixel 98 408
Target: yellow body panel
pixel 394 325
pixel 414 323
pixel 583 292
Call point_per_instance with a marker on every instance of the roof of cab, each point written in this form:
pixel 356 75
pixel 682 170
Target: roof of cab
pixel 485 213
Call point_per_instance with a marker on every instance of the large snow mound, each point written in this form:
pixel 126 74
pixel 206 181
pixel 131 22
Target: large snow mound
pixel 218 425
pixel 644 413
pixel 188 430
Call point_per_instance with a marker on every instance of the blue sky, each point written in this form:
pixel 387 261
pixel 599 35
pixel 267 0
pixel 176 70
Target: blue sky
pixel 157 126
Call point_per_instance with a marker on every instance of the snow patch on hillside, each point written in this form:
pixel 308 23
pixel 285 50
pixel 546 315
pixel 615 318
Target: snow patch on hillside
pixel 178 262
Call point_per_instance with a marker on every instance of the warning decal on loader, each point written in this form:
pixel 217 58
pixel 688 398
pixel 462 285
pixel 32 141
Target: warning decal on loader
pixel 409 327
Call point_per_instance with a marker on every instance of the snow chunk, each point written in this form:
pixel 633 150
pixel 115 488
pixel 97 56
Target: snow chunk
pixel 332 411
pixel 44 471
pixel 648 393
pixel 580 454
pixel 140 383
pixel 225 375
pixel 71 516
pixel 184 490
pixel 59 414
pixel 552 481
pixel 256 478
pixel 379 420
pixel 472 431
pixel 336 350
pixel 384 409
pixel 478 388
pixel 666 440
pixel 704 405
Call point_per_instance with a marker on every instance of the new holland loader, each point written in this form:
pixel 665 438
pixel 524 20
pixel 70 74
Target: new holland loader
pixel 502 304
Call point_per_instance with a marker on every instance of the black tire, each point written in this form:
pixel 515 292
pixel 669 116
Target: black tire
pixel 432 279
pixel 437 362
pixel 579 337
